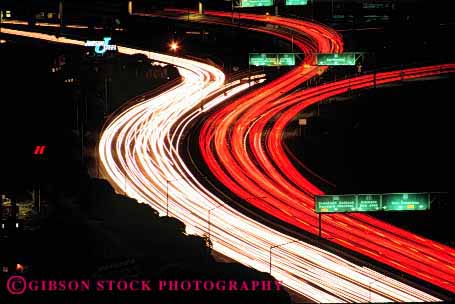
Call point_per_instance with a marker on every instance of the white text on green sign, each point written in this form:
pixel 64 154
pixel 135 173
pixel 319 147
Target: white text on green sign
pixel 372 202
pixel 296 2
pixel 253 3
pixel 272 59
pixel 336 59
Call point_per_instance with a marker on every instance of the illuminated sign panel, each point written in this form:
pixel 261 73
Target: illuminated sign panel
pixel 272 59
pixel 368 202
pixel 296 2
pixel 263 59
pixel 335 203
pixel 253 3
pixel 286 59
pixel 406 201
pixel 101 46
pixel 335 59
pixel 372 202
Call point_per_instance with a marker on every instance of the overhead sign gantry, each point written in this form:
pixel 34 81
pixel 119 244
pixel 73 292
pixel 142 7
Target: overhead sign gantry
pixel 272 59
pixel 255 3
pixel 372 202
pixel 296 2
pixel 337 59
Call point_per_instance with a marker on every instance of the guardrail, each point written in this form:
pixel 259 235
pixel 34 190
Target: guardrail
pixel 332 74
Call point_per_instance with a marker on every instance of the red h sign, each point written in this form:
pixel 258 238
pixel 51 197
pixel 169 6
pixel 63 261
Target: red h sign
pixel 39 150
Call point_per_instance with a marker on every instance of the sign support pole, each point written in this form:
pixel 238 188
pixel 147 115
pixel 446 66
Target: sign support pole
pixel 232 11
pixel 249 75
pixel 320 226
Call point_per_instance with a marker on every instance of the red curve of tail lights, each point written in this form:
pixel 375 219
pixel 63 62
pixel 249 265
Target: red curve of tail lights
pixel 249 158
pixel 265 171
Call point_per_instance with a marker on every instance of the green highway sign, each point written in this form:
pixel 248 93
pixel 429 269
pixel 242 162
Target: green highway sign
pixel 296 2
pixel 406 201
pixel 335 203
pixel 271 59
pixel 372 202
pixel 368 202
pixel 263 59
pixel 253 3
pixel 286 59
pixel 335 59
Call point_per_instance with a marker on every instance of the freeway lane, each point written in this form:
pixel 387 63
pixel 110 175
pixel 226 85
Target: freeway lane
pixel 258 125
pixel 302 267
pixel 284 84
pixel 247 119
pixel 140 146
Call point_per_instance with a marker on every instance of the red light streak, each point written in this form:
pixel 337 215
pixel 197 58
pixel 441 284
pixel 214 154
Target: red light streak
pixel 265 170
pixel 39 150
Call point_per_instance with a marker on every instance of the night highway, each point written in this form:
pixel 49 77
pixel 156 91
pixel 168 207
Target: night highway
pixel 272 151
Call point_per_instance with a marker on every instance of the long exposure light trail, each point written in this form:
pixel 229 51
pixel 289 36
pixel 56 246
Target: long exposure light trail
pixel 248 118
pixel 266 171
pixel 290 196
pixel 141 129
pixel 141 146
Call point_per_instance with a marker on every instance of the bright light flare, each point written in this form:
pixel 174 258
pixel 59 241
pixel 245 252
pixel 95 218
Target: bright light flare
pixel 174 46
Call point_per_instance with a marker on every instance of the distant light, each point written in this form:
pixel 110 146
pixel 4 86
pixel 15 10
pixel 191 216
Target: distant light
pixel 130 7
pixel 17 225
pixel 19 268
pixel 2 41
pixel 267 14
pixel 39 150
pixel 174 46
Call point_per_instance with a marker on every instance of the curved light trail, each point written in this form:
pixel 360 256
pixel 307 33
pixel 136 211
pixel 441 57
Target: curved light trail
pixel 232 233
pixel 139 152
pixel 143 143
pixel 289 195
pixel 244 150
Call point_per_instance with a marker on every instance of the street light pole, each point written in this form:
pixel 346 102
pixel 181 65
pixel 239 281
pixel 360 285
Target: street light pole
pixel 270 260
pixel 60 15
pixel 209 223
pixel 167 193
pixel 292 43
pixel 270 253
pixel 313 3
pixel 232 11
pixel 369 290
pixel 105 95
pixel 320 225
pixel 1 19
pixel 188 14
pixel 125 184
pixel 167 197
